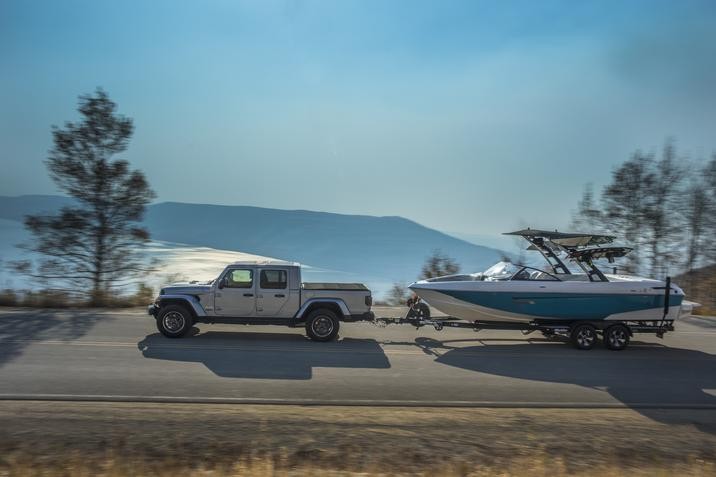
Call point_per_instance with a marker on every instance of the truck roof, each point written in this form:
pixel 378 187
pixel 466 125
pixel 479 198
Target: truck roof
pixel 277 263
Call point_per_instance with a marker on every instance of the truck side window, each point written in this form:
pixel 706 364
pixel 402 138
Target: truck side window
pixel 273 279
pixel 240 279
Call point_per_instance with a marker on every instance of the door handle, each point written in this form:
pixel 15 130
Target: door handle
pixel 279 295
pixel 248 294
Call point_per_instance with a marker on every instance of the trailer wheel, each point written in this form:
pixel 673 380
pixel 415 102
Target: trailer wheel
pixel 174 321
pixel 322 325
pixel 584 336
pixel 616 337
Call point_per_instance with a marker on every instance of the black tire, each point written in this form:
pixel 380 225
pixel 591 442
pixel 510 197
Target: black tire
pixel 174 321
pixel 322 325
pixel 616 337
pixel 583 336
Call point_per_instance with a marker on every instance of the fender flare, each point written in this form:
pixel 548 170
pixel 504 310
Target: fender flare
pixel 190 300
pixel 317 301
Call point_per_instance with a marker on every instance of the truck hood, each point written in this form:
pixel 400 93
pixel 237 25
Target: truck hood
pixel 185 289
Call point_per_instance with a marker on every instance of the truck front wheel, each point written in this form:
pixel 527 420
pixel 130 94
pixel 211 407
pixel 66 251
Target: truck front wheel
pixel 322 325
pixel 174 321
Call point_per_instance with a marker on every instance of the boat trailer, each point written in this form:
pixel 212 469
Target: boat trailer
pixel 581 333
pixel 569 330
pixel 550 327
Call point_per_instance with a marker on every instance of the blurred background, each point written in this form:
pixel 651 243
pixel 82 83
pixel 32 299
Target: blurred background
pixel 146 143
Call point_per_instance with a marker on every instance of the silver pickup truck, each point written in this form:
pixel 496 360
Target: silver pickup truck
pixel 262 293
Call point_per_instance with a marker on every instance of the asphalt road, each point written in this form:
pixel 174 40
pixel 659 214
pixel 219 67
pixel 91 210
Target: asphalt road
pixel 120 356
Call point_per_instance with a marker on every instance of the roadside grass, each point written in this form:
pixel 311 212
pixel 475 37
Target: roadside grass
pixel 49 298
pixel 700 287
pixel 55 439
pixel 113 464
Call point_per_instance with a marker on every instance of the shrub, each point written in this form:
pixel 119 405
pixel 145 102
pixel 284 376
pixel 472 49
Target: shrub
pixel 8 298
pixel 47 299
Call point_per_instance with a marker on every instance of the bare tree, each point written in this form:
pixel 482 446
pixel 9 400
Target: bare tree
pixel 94 244
pixel 439 265
pixel 398 294
pixel 588 217
pixel 663 188
pixel 623 202
pixel 697 208
pixel 709 184
pixel 665 209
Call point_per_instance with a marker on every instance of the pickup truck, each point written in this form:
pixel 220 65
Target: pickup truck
pixel 262 293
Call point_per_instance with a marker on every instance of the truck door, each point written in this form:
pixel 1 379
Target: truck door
pixel 273 293
pixel 235 293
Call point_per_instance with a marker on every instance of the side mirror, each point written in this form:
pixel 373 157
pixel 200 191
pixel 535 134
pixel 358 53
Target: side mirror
pixel 222 283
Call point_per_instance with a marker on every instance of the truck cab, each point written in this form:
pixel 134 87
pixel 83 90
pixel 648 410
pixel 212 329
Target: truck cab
pixel 265 293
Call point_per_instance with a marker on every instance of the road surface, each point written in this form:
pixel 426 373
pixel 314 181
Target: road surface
pixel 90 355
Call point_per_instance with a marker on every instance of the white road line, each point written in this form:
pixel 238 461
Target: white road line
pixel 347 402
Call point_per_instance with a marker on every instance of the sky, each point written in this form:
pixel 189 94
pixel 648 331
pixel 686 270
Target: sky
pixel 472 117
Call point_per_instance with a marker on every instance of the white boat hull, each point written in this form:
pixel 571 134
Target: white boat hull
pixel 527 301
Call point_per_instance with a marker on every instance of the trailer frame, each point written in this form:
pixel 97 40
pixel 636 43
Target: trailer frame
pixel 550 328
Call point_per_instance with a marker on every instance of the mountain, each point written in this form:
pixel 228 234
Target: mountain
pixel 16 208
pixel 390 247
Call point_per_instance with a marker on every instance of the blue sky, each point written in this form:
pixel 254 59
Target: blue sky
pixel 472 117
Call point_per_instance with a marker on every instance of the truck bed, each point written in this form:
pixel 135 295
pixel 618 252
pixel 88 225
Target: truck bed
pixel 334 286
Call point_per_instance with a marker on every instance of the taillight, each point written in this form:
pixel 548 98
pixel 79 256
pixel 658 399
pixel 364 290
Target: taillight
pixel 369 300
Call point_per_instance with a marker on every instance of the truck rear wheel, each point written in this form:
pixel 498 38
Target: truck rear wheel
pixel 322 325
pixel 174 321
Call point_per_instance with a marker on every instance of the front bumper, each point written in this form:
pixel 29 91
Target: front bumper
pixel 152 310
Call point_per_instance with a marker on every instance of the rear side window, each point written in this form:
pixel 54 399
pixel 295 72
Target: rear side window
pixel 274 279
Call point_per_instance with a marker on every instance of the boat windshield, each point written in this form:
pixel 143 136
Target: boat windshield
pixel 501 271
pixel 510 271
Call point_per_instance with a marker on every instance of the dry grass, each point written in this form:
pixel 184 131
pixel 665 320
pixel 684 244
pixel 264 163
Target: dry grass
pixel 700 286
pixel 57 299
pixel 113 465
pixel 117 440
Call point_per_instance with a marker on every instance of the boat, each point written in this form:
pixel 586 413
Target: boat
pixel 558 293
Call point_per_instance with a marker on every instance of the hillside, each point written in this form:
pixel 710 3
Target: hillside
pixel 390 247
pixel 700 286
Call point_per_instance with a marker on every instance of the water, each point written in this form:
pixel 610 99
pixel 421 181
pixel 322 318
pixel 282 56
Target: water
pixel 176 262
